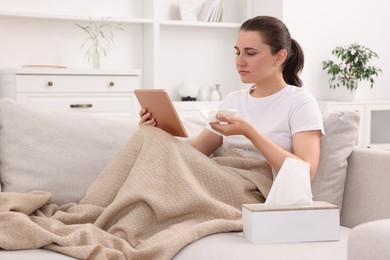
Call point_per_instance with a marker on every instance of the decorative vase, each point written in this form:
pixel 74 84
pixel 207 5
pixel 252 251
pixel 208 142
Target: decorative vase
pixel 202 96
pixel 96 60
pixel 215 94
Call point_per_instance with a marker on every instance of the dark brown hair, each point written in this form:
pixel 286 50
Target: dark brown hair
pixel 275 34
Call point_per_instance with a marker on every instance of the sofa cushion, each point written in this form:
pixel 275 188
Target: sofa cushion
pixel 60 152
pixel 370 241
pixel 226 246
pixel 341 130
pixel 233 246
pixel 55 151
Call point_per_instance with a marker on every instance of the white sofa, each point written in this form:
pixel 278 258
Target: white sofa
pixel 43 149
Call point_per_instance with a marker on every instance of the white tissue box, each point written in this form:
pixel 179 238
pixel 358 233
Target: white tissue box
pixel 319 221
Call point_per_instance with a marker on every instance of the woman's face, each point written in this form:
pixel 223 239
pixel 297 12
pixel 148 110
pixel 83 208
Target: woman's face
pixel 254 60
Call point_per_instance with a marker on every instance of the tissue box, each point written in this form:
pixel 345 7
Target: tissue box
pixel 319 221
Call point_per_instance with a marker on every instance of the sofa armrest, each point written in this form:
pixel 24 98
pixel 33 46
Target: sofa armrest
pixel 370 241
pixel 366 195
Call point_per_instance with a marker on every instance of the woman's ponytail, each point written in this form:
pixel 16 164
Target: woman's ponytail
pixel 294 65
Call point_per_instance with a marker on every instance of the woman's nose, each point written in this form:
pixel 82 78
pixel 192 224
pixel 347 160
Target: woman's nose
pixel 240 61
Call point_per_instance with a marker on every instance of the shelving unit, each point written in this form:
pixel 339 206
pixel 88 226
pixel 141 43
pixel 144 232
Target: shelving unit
pixel 167 50
pixel 374 127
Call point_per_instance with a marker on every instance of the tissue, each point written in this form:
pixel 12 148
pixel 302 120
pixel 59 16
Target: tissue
pixel 292 185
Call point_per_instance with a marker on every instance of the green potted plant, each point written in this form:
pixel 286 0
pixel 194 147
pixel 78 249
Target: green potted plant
pixel 352 68
pixel 99 38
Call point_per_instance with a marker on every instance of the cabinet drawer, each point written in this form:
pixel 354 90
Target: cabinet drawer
pixel 95 103
pixel 76 83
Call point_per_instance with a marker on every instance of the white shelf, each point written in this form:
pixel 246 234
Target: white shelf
pixel 200 24
pixel 380 146
pixel 50 71
pixel 64 18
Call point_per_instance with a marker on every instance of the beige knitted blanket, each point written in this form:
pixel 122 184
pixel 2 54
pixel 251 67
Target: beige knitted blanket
pixel 157 195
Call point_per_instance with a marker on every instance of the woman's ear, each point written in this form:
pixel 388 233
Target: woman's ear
pixel 280 57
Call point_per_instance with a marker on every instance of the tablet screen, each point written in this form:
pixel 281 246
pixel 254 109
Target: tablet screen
pixel 158 103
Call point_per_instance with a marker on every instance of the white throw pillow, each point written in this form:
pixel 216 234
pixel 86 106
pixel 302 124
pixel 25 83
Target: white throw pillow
pixel 341 130
pixel 55 151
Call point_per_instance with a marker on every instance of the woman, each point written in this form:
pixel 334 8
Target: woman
pixel 159 194
pixel 276 119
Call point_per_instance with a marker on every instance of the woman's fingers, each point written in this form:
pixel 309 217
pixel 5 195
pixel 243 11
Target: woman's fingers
pixel 142 112
pixel 146 118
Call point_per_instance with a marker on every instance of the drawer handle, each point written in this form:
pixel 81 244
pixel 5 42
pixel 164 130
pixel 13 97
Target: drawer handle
pixel 112 83
pixel 80 105
pixel 50 83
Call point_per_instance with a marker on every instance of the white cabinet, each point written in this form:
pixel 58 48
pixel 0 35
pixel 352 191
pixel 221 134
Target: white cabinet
pixel 167 50
pixel 377 125
pixel 105 92
pixel 374 127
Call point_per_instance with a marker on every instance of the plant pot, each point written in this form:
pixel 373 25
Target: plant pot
pixel 344 94
pixel 215 94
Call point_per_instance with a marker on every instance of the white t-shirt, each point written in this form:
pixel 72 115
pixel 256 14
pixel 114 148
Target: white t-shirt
pixel 278 117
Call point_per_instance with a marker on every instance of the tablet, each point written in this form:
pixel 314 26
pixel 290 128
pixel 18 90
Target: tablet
pixel 158 103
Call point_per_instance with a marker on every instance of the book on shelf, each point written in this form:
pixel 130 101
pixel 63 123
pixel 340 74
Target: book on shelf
pixel 220 12
pixel 211 11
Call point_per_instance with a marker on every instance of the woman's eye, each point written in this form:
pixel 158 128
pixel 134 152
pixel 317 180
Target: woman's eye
pixel 246 53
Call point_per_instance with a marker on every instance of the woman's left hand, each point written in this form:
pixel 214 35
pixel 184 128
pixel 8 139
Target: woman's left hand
pixel 231 125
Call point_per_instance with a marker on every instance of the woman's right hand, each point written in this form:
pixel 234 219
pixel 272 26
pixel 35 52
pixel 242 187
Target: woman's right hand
pixel 146 118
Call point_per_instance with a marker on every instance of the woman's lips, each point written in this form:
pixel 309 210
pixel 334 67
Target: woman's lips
pixel 243 72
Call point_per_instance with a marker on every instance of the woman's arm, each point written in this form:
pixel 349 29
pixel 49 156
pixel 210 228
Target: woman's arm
pixel 207 142
pixel 306 145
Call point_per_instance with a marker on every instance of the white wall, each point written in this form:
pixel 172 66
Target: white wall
pixel 319 26
pixel 51 42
